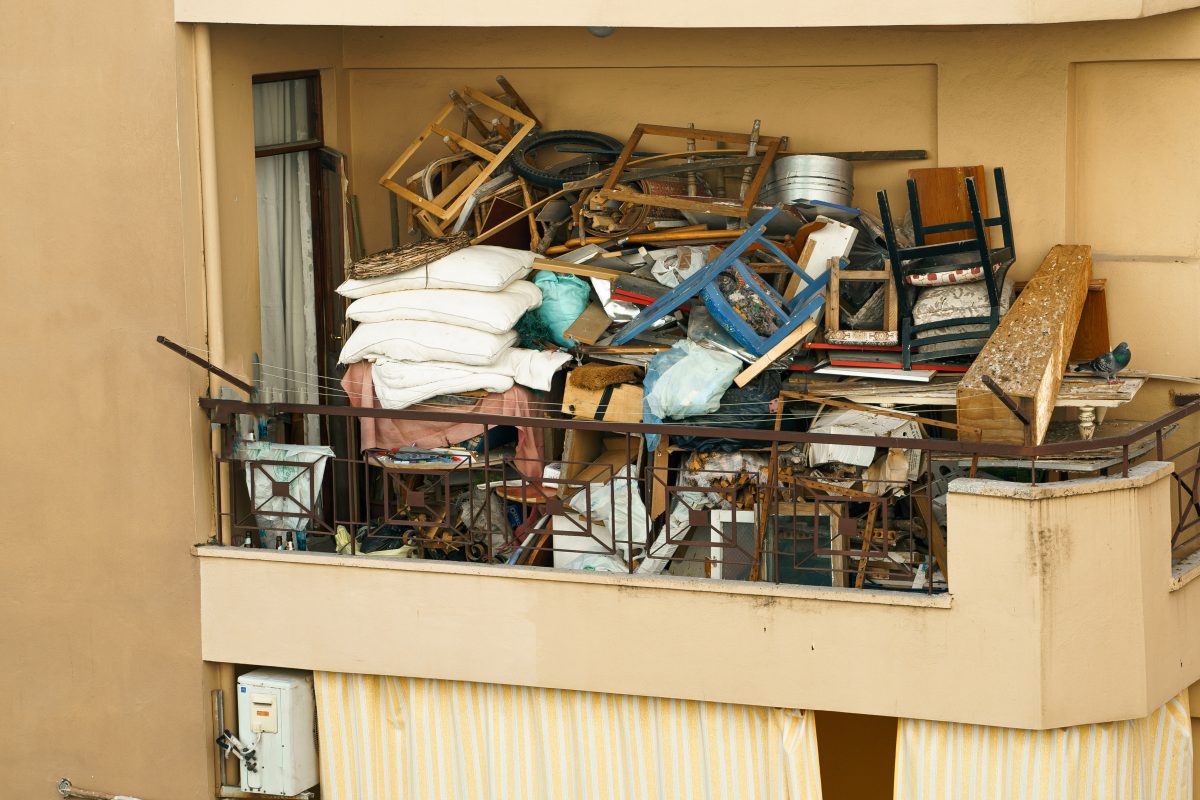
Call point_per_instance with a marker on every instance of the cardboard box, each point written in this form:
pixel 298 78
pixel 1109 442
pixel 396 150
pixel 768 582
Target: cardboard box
pixel 619 403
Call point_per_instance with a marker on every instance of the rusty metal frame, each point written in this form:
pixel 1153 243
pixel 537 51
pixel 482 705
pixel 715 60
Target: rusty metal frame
pixel 611 191
pixel 358 478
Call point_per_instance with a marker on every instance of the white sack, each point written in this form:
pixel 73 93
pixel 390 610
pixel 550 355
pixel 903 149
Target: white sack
pixel 495 312
pixel 483 268
pixel 411 340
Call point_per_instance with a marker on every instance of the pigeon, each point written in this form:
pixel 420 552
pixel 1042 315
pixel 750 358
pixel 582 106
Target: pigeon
pixel 1108 364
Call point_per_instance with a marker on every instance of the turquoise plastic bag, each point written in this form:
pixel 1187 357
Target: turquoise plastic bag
pixel 564 297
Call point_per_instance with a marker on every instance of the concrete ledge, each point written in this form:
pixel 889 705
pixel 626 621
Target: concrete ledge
pixel 1184 572
pixel 1141 475
pixel 761 589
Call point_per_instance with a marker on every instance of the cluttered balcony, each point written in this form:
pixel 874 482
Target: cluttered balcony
pixel 681 380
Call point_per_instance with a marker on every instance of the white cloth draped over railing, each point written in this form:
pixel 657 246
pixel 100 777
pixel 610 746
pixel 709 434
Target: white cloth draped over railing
pixel 387 738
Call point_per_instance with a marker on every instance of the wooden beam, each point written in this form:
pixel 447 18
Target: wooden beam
pixel 775 353
pixel 1027 354
pixel 580 270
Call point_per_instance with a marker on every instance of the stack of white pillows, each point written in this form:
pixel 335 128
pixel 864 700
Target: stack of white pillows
pixel 447 327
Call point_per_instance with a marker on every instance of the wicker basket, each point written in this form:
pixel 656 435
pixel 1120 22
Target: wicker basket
pixel 408 256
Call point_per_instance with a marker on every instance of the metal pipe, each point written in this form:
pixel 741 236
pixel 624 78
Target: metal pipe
pixel 748 172
pixel 210 218
pixel 208 365
pixel 65 789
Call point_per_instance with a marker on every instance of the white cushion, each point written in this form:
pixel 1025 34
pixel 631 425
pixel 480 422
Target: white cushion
pixel 483 268
pixel 411 340
pixel 962 275
pixel 496 312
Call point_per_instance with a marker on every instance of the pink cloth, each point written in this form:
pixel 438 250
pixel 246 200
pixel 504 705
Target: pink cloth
pixel 389 433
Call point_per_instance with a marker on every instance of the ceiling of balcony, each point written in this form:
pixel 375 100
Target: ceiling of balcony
pixel 660 14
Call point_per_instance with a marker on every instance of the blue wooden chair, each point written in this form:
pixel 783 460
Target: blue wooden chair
pixel 786 314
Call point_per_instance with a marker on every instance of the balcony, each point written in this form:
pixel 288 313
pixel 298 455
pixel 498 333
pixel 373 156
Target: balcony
pixel 1055 603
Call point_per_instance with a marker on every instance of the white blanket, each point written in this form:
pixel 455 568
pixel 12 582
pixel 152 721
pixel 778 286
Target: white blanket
pixel 495 312
pixel 412 340
pixel 416 382
pixel 527 367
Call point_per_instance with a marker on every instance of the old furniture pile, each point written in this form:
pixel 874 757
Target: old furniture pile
pixel 721 282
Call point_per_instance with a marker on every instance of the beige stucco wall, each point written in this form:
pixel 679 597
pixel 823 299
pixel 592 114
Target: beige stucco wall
pixel 101 492
pixel 105 479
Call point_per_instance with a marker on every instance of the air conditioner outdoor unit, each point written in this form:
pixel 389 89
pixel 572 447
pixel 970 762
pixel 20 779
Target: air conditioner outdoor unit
pixel 276 719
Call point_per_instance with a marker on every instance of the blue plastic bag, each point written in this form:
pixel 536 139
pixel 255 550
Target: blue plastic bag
pixel 564 297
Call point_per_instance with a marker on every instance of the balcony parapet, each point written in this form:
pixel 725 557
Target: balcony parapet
pixel 1061 613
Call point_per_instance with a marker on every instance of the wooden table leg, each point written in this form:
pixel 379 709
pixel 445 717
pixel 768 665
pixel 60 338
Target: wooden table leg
pixel 1087 422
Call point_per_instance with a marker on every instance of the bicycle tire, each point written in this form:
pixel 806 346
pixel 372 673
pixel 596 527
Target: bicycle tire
pixel 545 178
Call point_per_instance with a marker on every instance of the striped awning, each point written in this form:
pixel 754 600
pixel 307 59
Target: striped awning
pixel 1137 759
pixel 388 738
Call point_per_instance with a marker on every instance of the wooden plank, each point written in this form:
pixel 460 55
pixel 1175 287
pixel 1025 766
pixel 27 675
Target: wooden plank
pixel 1092 335
pixel 455 187
pixel 943 195
pixel 775 353
pixel 1027 354
pixel 582 270
pixel 590 325
pixel 726 208
pixel 462 142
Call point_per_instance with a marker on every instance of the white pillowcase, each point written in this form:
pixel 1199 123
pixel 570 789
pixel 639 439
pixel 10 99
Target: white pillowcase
pixel 483 268
pixel 412 340
pixel 496 312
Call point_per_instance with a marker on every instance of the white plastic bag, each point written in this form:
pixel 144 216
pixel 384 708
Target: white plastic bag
pixel 619 508
pixel 692 383
pixel 303 481
pixel 674 265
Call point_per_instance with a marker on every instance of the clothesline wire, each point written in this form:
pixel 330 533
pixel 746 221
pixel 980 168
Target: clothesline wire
pixel 332 384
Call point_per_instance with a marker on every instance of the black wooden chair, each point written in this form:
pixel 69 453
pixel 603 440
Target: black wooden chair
pixel 923 259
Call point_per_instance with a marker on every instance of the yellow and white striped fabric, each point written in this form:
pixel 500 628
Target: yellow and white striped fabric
pixel 385 738
pixel 1136 759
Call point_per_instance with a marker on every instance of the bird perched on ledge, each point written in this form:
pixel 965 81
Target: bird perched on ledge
pixel 1108 364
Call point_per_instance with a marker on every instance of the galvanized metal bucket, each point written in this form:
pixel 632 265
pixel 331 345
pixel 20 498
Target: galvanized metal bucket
pixel 792 178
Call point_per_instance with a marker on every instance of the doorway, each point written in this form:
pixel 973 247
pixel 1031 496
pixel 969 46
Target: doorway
pixel 301 204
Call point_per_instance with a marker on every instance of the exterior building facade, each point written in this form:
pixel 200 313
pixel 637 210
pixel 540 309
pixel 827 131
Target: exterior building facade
pixel 129 213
